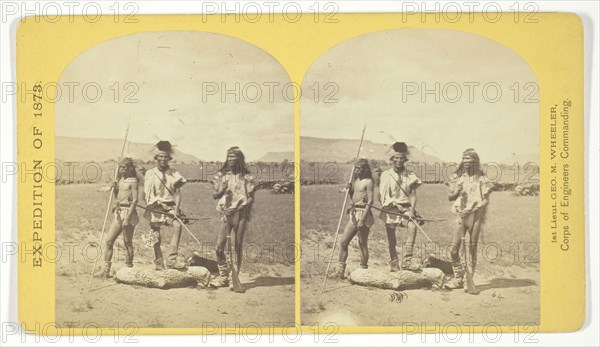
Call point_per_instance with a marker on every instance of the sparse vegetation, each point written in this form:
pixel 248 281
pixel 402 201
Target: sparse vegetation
pixel 269 251
pixel 269 239
pixel 508 247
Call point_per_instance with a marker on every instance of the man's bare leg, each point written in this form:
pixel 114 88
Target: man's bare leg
pixel 128 242
pixel 223 279
pixel 349 232
pixel 477 225
pixel 363 238
pixel 239 241
pixel 457 267
pixel 113 233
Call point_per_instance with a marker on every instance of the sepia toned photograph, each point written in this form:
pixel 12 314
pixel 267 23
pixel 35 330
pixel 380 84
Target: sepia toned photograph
pixel 296 172
pixel 176 190
pixel 420 183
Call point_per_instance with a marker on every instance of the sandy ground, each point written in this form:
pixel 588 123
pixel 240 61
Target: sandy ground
pixel 509 295
pixel 505 299
pixel 507 271
pixel 267 273
pixel 267 300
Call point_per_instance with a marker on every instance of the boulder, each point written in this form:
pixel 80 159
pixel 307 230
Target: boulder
pixel 193 276
pixel 428 277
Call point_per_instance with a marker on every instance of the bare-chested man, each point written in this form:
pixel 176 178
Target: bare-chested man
pixel 126 218
pixel 361 218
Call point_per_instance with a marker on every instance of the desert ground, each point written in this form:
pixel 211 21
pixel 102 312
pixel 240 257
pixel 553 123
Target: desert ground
pixel 267 272
pixel 507 272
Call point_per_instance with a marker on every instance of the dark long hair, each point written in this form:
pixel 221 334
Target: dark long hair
pixel 364 163
pixel 461 168
pixel 240 165
pixel 133 172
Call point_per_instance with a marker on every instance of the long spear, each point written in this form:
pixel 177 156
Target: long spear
pixel 337 230
pixel 112 188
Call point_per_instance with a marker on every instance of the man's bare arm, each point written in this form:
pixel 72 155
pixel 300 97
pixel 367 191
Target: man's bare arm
pixel 455 192
pixel 134 201
pixel 220 190
pixel 370 185
pixel 250 197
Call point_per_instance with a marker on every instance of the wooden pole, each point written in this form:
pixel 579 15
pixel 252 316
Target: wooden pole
pixel 343 209
pixel 112 188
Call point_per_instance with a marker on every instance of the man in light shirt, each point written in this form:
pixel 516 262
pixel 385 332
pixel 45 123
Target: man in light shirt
pixel 398 194
pixel 162 190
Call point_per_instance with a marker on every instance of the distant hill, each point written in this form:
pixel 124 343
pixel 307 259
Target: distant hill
pixel 314 149
pixel 276 157
pixel 521 159
pixel 99 150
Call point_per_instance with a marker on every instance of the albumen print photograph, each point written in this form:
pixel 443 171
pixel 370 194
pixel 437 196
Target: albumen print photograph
pixel 420 181
pixel 177 206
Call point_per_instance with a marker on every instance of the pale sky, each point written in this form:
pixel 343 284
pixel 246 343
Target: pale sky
pixel 171 69
pixel 370 70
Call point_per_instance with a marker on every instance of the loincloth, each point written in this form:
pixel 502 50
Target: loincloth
pixel 234 218
pixel 356 214
pixel 121 212
pixel 469 219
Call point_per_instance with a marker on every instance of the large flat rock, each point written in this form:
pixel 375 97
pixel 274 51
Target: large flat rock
pixel 428 277
pixel 193 276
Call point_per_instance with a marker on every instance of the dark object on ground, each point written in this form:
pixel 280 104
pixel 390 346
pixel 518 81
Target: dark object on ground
pixel 197 260
pixel 434 262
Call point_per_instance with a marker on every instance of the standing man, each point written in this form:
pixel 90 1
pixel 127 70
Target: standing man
pixel 361 218
pixel 235 188
pixel 125 215
pixel 398 194
pixel 470 191
pixel 162 189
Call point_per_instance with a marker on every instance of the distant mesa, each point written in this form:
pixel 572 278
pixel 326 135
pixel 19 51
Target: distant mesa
pixel 276 157
pixel 315 149
pixel 77 149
